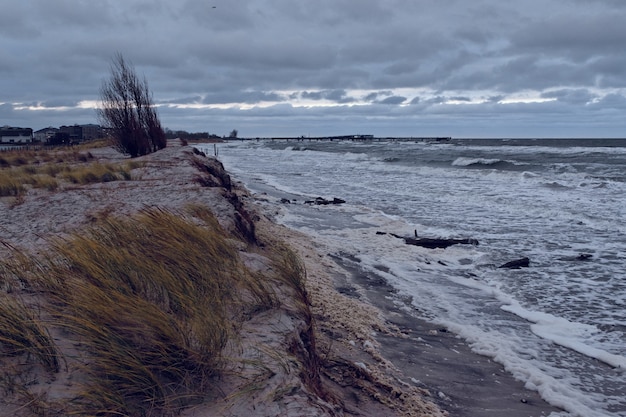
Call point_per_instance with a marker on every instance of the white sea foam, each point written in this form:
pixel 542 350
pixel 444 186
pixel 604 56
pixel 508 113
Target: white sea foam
pixel 566 333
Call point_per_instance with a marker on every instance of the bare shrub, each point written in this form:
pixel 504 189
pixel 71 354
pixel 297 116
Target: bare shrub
pixel 127 109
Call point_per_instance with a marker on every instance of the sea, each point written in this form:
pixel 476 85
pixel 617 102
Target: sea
pixel 558 325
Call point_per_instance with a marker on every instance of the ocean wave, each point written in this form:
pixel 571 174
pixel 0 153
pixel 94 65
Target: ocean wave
pixel 489 163
pixel 568 334
pixel 466 162
pixel 296 148
pixel 554 185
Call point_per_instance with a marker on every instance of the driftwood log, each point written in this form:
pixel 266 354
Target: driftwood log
pixel 319 201
pixel 433 243
pixel 580 257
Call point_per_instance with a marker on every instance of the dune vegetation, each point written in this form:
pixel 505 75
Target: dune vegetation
pixel 144 306
pixel 153 287
pixel 135 315
pixel 21 170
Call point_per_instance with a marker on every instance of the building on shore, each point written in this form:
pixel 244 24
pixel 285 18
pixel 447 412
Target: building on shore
pixel 81 133
pixel 16 135
pixel 46 134
pixel 63 135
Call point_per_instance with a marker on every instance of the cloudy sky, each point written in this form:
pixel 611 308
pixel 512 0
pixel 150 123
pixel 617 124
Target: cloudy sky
pixel 461 68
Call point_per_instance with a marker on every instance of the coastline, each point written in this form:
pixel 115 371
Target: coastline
pixel 412 351
pixel 274 365
pixel 374 357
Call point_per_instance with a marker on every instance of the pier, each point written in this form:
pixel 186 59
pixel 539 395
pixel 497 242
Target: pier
pixel 360 138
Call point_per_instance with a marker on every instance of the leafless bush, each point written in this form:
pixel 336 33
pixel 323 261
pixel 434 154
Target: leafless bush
pixel 128 111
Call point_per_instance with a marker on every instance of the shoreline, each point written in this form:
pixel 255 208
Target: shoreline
pixel 274 365
pixel 374 356
pixel 416 352
pixel 465 383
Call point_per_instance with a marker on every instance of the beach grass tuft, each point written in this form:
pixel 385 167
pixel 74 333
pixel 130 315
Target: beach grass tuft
pixel 96 172
pixel 22 333
pixel 22 170
pixel 152 300
pixel 10 186
pixel 291 271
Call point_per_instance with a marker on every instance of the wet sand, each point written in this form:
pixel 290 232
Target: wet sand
pixel 463 383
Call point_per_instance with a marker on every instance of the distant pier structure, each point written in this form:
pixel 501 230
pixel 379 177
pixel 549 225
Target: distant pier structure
pixel 363 138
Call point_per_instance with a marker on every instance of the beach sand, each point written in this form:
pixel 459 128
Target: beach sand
pixel 376 359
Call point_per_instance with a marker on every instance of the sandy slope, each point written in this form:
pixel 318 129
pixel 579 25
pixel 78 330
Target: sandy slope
pixel 266 377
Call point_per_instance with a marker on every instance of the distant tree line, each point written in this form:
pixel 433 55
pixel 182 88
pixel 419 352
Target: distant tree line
pixel 183 134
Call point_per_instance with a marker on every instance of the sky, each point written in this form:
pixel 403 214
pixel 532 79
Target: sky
pixel 460 68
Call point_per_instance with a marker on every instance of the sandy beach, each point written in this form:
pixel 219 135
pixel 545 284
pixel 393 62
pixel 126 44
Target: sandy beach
pixel 373 358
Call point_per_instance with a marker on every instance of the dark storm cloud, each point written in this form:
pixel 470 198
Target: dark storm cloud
pixel 393 100
pixel 577 96
pixel 337 96
pixel 495 99
pixel 612 102
pixel 313 95
pixel 183 100
pixel 458 63
pixel 577 36
pixel 248 97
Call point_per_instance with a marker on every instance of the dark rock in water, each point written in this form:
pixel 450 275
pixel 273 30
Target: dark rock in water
pixel 285 201
pixel 319 201
pixel 580 257
pixel 516 264
pixel 381 233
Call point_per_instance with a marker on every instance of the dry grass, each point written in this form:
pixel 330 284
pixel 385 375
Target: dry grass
pixel 20 157
pixel 292 272
pixel 10 186
pixel 23 334
pixel 152 300
pixel 148 303
pixel 15 181
pixel 93 144
pixel 97 172
pixel 21 170
pixel 16 158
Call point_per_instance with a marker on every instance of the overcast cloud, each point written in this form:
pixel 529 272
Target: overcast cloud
pixel 480 68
